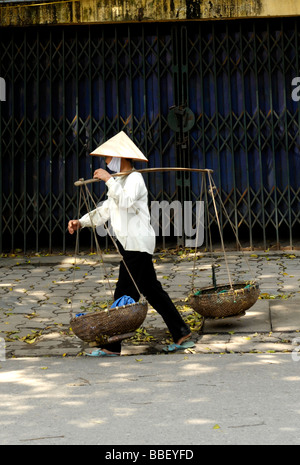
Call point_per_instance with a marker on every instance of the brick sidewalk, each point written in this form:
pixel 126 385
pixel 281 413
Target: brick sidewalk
pixel 34 308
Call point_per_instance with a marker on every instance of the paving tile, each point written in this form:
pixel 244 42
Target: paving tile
pixel 285 315
pixel 210 348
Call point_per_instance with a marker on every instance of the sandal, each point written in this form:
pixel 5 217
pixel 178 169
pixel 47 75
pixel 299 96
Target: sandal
pixel 101 353
pixel 177 347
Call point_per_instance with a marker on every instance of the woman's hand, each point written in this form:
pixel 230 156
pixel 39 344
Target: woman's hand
pixel 73 226
pixel 102 175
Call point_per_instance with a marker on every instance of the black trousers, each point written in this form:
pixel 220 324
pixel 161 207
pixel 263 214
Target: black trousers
pixel 141 267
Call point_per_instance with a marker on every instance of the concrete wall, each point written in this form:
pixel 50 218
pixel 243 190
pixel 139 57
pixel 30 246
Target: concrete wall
pixel 108 11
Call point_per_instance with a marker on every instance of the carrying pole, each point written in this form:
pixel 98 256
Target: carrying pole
pixel 82 182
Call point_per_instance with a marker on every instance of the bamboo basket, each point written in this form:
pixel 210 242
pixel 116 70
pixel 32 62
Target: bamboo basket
pixel 111 325
pixel 213 302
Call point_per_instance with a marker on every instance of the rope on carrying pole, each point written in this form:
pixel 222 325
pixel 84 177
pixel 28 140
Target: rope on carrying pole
pixel 81 195
pixel 197 235
pixel 113 240
pixel 232 226
pixel 75 262
pixel 219 225
pixel 88 207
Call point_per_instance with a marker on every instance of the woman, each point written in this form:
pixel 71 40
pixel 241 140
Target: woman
pixel 127 208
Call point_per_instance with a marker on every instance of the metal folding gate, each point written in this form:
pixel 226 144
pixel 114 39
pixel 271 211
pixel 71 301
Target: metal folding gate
pixel 70 88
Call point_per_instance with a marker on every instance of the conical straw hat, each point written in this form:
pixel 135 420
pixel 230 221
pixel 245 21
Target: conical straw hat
pixel 120 146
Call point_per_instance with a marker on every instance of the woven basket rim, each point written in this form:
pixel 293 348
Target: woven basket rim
pixel 107 310
pixel 242 290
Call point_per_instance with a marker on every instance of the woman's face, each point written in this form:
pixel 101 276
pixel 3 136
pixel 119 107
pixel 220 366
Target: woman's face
pixel 108 160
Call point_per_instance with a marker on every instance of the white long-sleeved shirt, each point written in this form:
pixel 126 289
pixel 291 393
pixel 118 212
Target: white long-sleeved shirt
pixel 127 209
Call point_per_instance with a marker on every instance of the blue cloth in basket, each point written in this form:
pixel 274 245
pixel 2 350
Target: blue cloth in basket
pixel 124 300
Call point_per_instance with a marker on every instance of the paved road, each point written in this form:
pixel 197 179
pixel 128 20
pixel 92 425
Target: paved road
pixel 240 387
pixel 170 400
